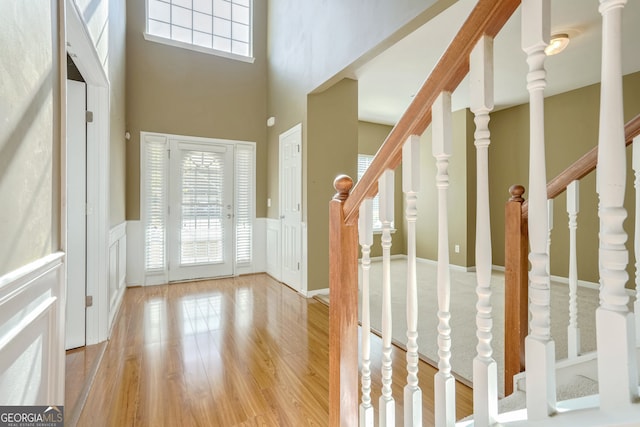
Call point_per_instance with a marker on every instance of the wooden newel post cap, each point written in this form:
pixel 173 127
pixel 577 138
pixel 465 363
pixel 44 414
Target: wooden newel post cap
pixel 343 185
pixel 516 192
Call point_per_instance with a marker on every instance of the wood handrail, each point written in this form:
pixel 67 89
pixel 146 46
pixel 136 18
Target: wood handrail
pixel 516 244
pixel 488 17
pixel 583 166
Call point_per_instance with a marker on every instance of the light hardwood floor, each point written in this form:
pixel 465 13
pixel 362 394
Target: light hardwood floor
pixel 241 351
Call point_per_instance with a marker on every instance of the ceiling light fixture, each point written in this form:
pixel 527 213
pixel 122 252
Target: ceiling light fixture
pixel 558 43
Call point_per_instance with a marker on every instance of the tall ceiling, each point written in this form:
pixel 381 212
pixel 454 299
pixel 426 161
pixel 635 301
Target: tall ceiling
pixel 388 82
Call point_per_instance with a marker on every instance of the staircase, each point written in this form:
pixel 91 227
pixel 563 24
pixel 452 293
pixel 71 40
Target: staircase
pixel 609 376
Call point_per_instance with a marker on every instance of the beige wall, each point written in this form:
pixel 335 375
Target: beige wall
pixel 461 199
pixel 331 149
pixel 116 73
pixel 311 46
pixel 571 129
pixel 370 138
pixel 178 91
pixel 29 132
pixel 314 44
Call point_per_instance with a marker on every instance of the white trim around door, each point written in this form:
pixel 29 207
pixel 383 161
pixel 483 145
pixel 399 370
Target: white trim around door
pixel 81 47
pixel 290 183
pixel 197 207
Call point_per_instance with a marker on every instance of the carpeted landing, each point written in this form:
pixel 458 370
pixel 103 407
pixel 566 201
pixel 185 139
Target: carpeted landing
pixel 463 312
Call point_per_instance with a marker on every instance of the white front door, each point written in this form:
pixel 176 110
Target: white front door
pixel 291 206
pixel 200 238
pixel 76 192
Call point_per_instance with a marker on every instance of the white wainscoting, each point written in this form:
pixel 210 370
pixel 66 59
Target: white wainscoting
pixel 32 356
pixel 135 254
pixel 135 275
pixel 305 266
pixel 117 268
pixel 274 248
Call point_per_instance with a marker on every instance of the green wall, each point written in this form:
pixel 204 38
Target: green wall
pixel 370 138
pixel 331 149
pixel 179 91
pixel 30 133
pixel 571 129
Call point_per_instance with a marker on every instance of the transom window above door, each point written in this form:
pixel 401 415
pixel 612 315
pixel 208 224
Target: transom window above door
pixel 219 27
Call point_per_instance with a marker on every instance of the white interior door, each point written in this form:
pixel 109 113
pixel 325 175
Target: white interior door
pixel 200 232
pixel 291 206
pixel 76 214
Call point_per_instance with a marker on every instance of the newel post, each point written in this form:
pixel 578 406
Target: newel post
pixel 516 292
pixel 343 311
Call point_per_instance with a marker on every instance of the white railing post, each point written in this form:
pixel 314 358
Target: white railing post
pixel 411 187
pixel 615 325
pixel 636 236
pixel 445 405
pixel 387 404
pixel 365 232
pixel 485 371
pixel 573 332
pixel 539 346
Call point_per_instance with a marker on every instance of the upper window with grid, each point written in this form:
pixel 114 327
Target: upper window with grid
pixel 215 26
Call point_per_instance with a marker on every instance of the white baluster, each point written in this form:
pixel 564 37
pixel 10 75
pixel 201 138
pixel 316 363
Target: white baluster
pixel 411 186
pixel 539 347
pixel 445 405
pixel 615 325
pixel 573 332
pixel 636 236
pixel 550 228
pixel 365 233
pixel 485 371
pixel 387 404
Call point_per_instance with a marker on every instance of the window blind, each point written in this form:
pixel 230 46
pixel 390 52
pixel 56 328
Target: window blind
pixel 245 202
pixel 202 226
pixel 155 202
pixel 203 211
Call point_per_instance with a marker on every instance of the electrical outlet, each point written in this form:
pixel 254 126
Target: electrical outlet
pixel 269 202
pixel 456 248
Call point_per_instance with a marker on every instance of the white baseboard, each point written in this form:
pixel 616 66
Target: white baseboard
pixel 423 261
pixel 451 266
pixel 565 280
pixel 583 283
pixel 393 257
pixel 313 293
